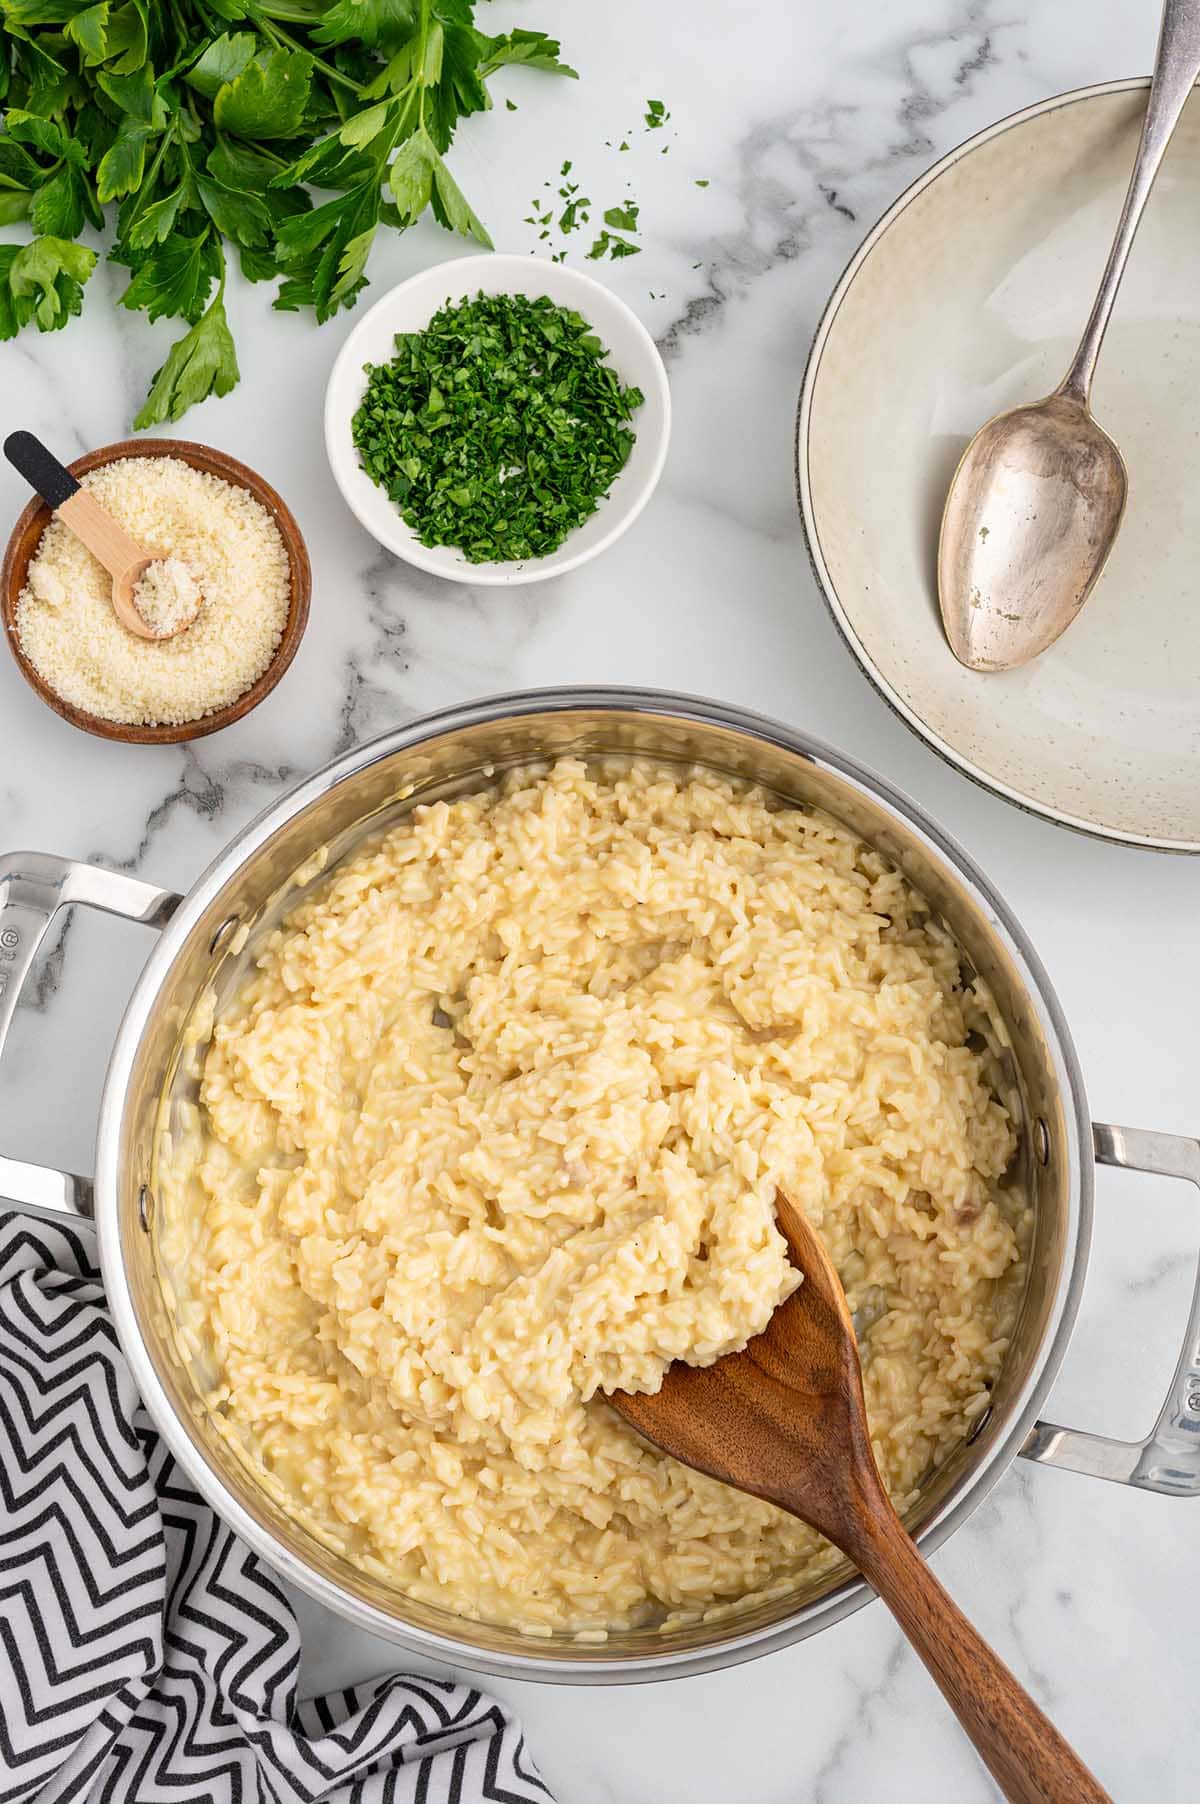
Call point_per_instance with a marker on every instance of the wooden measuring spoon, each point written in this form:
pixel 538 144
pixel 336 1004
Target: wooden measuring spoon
pixel 125 560
pixel 785 1420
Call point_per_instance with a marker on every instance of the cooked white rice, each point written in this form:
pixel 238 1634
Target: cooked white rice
pixel 495 1128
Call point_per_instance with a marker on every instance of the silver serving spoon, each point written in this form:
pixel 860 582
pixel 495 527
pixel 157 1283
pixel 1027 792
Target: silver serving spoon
pixel 1036 502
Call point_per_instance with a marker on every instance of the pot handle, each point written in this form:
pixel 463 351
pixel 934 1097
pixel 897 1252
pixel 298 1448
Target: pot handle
pixel 33 887
pixel 1168 1460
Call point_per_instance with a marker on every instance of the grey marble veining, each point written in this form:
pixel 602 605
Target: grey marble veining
pixel 806 120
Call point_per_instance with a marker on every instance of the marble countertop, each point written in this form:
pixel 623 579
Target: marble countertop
pixel 806 120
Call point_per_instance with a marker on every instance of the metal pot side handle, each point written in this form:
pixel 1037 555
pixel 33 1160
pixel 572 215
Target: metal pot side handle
pixel 1168 1460
pixel 33 887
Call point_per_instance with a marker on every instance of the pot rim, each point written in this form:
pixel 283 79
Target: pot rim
pixel 692 710
pixel 838 612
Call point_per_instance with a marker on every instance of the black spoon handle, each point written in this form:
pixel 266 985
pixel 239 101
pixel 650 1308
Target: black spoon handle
pixel 40 468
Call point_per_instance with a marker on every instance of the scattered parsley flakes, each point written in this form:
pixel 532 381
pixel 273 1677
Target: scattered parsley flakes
pixel 511 105
pixel 573 215
pixel 499 428
pixel 703 184
pixel 624 145
pixel 609 245
pixel 624 218
pixel 656 115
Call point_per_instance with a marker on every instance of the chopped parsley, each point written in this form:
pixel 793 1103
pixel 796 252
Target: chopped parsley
pixel 498 428
pixel 608 244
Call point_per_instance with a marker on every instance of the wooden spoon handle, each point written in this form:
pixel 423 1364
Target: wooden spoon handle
pixel 114 547
pixel 1023 1751
pixel 111 544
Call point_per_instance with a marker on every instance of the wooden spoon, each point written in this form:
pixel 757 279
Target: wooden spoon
pixel 785 1420
pixel 125 560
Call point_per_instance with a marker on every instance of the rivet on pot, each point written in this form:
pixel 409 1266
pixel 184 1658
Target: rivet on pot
pixel 223 935
pixel 1041 1142
pixel 978 1426
pixel 145 1207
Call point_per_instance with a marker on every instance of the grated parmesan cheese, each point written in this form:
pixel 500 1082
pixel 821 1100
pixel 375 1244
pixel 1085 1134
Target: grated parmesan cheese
pixel 166 595
pixel 232 548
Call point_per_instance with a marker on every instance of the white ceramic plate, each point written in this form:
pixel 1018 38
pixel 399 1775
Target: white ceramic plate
pixel 966 298
pixel 407 308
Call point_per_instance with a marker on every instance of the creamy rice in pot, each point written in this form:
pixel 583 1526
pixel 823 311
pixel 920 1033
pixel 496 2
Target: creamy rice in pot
pixel 494 1128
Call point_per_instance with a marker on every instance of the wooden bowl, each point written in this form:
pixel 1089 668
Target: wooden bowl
pixel 27 535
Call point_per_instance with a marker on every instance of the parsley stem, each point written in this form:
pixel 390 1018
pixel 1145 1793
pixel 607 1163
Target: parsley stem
pixel 419 59
pixel 284 40
pixel 146 189
pixel 259 148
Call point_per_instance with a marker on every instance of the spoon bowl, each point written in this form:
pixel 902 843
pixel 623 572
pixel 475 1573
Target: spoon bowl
pixel 1032 514
pixel 124 599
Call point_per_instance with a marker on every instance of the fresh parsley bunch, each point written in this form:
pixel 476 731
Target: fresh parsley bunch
pixel 205 124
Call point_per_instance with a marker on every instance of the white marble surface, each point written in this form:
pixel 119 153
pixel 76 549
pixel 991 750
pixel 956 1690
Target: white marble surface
pixel 806 119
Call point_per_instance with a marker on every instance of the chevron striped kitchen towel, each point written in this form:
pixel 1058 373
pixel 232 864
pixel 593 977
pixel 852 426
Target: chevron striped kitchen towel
pixel 145 1654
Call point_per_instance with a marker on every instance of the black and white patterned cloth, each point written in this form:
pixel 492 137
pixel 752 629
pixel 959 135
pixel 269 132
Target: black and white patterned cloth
pixel 145 1653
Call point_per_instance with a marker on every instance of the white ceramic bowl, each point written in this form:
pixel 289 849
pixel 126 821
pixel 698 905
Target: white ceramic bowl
pixel 968 297
pixel 632 352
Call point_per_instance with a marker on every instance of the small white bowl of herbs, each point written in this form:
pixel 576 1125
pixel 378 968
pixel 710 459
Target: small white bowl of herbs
pixel 498 419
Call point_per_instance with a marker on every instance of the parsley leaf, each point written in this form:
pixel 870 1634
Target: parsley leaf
pixel 42 281
pixel 624 218
pixel 380 24
pixel 203 362
pixel 175 278
pixel 324 253
pixel 450 207
pixel 124 163
pixel 533 48
pixel 268 98
pixel 410 177
pixel 89 30
pixel 44 135
pixel 220 62
pixel 59 208
pixel 609 245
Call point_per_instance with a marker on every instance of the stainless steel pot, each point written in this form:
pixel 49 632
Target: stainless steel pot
pixel 207 936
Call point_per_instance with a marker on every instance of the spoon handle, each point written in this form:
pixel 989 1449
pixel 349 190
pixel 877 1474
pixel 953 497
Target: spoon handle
pixel 1023 1751
pixel 107 541
pixel 40 468
pixel 1175 70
